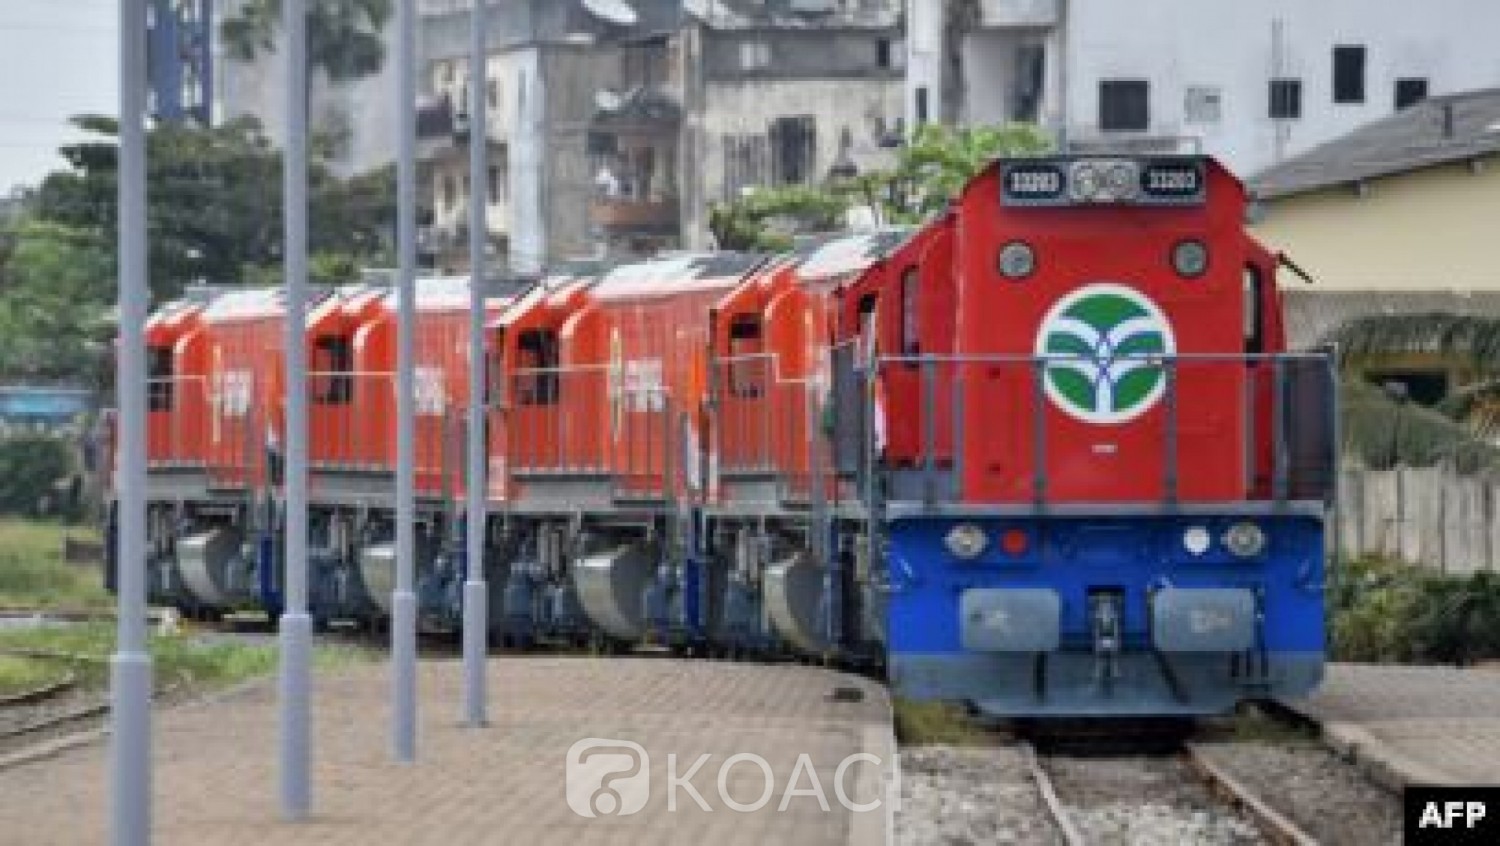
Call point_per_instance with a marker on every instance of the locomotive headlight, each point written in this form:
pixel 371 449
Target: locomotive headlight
pixel 1245 540
pixel 1017 260
pixel 966 541
pixel 1196 540
pixel 1085 181
pixel 1190 259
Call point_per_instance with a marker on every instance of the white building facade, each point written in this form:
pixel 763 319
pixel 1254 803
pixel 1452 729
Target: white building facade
pixel 1250 81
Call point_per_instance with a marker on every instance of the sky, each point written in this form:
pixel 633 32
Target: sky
pixel 57 59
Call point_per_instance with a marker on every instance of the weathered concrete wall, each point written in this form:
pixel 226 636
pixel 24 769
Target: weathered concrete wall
pixel 1428 516
pixel 865 108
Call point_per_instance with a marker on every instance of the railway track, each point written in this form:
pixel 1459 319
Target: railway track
pixel 1179 796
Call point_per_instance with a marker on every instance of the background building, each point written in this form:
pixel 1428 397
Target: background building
pixel 1252 82
pixel 1407 203
pixel 179 41
pixel 612 132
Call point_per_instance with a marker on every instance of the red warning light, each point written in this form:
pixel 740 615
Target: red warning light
pixel 1014 542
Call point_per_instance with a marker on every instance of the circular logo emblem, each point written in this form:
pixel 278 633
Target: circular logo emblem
pixel 1104 345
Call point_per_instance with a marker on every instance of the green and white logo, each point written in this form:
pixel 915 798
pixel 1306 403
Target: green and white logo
pixel 1103 345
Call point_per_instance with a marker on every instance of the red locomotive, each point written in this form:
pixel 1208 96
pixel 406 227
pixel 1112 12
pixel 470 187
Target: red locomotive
pixel 1046 454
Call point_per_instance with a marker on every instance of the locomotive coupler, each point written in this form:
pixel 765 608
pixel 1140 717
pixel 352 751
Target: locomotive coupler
pixel 1106 615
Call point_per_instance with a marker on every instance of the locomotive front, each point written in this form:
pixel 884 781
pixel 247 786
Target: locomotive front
pixel 1116 500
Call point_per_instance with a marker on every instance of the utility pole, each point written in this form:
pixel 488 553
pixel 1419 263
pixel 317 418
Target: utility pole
pixel 296 624
pixel 130 666
pixel 476 599
pixel 403 598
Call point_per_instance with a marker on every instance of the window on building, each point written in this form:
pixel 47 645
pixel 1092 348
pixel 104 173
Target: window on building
pixel 883 55
pixel 1410 91
pixel 922 106
pixel 755 54
pixel 1348 74
pixel 1030 81
pixel 1203 104
pixel 794 150
pixel 1286 99
pixel 1252 285
pixel 497 183
pixel 494 94
pixel 1124 105
pixel 450 191
pixel 746 164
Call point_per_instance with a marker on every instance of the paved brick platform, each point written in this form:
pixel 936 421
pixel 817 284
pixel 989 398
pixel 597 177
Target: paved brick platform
pixel 1413 724
pixel 216 771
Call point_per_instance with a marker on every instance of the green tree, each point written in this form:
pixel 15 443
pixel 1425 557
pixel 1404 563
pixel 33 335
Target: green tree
pixel 928 174
pixel 55 284
pixel 1470 342
pixel 215 203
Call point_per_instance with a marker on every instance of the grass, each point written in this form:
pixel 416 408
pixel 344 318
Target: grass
pixel 938 724
pixel 34 575
pixel 180 660
pixel 22 675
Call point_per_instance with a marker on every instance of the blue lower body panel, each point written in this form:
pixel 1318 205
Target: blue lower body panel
pixel 1102 616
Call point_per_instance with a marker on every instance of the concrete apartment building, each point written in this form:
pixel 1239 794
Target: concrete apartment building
pixel 1252 81
pixel 615 125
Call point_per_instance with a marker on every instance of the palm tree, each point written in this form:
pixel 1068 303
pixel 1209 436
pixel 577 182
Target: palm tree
pixel 344 37
pixel 1470 342
pixel 1382 431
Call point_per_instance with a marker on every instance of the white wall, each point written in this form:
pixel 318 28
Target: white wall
pixel 1230 44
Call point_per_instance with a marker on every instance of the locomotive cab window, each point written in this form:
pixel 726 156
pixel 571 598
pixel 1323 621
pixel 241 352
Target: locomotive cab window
pixel 868 305
pixel 911 302
pixel 748 365
pixel 159 391
pixel 332 366
pixel 537 380
pixel 1254 330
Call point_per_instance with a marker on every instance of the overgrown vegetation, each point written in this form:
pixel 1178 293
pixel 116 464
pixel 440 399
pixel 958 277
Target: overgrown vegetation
pixel 938 724
pixel 180 660
pixel 23 675
pixel 1381 433
pixel 1383 611
pixel 34 575
pixel 38 477
pixel 1471 343
pixel 929 173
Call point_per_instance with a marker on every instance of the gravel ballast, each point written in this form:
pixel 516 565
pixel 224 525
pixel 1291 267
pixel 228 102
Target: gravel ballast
pixel 1327 798
pixel 952 796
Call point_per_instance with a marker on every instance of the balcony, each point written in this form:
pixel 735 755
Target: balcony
pixel 614 214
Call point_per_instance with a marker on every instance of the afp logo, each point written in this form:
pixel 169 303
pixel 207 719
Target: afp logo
pixel 1443 815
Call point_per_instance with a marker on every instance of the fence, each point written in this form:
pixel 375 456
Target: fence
pixel 1433 517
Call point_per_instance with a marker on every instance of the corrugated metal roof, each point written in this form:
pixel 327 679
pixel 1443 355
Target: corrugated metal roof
pixel 1455 127
pixel 1311 314
pixel 851 254
pixel 674 273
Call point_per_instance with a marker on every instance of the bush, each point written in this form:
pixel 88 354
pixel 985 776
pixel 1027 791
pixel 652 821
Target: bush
pixel 1383 611
pixel 34 472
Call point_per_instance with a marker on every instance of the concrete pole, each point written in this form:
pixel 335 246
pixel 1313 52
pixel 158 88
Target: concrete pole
pixel 130 666
pixel 403 598
pixel 296 624
pixel 476 606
